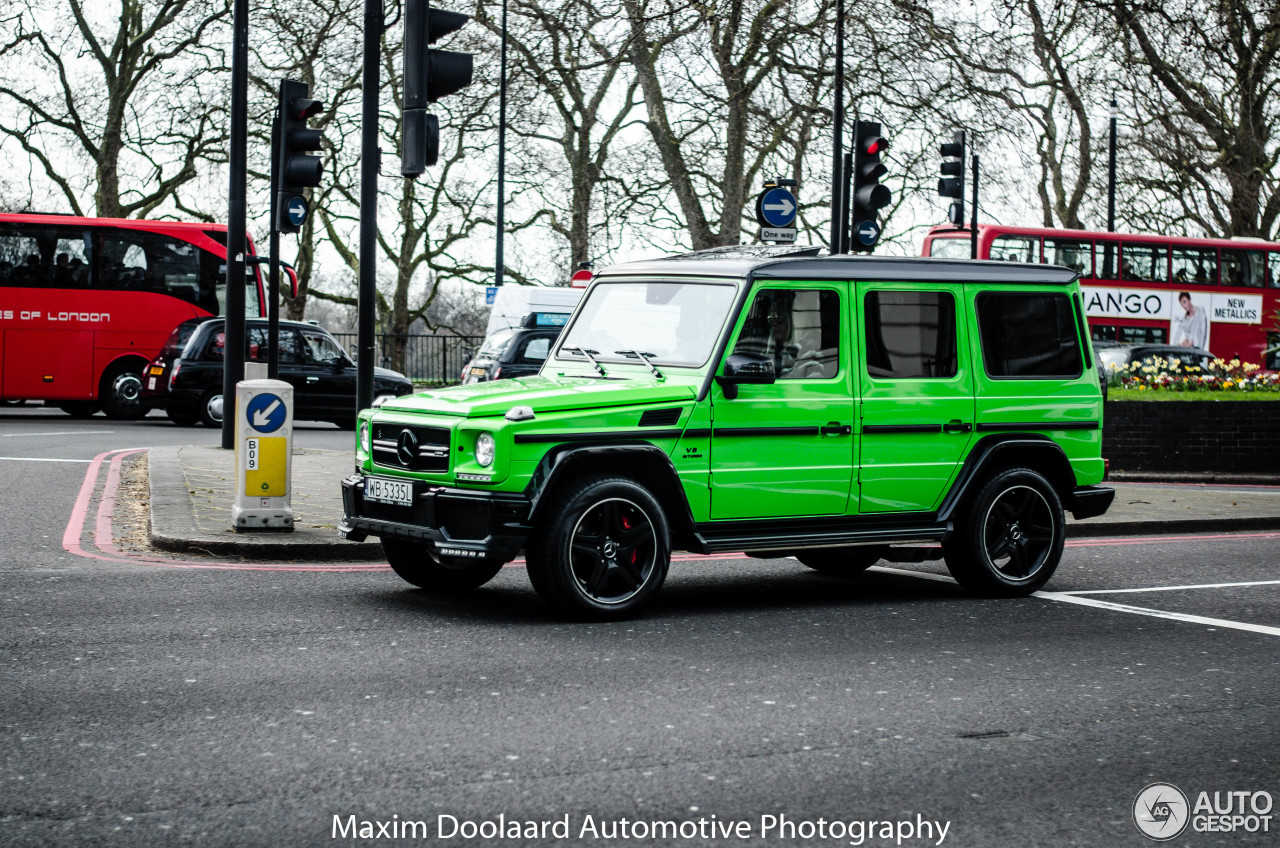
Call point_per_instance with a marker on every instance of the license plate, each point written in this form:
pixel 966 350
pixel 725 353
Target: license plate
pixel 478 372
pixel 399 492
pixel 157 370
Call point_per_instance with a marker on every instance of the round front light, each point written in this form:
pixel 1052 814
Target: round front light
pixel 485 449
pixel 365 444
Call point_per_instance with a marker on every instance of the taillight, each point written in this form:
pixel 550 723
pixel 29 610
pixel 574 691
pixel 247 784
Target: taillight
pixel 173 374
pixel 497 372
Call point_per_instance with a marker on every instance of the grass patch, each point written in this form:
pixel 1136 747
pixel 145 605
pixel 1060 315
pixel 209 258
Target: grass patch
pixel 1157 395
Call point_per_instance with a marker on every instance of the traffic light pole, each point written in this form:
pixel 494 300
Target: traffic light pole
pixel 499 262
pixel 973 227
pixel 1111 169
pixel 273 272
pixel 374 23
pixel 233 338
pixel 837 147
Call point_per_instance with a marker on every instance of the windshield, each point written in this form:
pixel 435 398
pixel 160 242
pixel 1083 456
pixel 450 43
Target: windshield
pixel 671 323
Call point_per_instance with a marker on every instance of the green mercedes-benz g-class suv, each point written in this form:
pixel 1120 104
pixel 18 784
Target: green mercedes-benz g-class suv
pixel 750 399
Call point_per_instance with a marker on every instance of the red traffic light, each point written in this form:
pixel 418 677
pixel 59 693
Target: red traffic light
pixel 874 145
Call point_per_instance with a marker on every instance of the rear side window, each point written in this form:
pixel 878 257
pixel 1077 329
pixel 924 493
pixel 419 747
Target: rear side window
pixel 911 334
pixel 1028 335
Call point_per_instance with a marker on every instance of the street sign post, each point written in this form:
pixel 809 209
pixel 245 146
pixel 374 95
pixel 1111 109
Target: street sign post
pixel 776 213
pixel 263 413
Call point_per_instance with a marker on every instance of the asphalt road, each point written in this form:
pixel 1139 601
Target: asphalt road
pixel 144 704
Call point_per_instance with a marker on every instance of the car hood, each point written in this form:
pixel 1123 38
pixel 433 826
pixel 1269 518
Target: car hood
pixel 388 374
pixel 543 394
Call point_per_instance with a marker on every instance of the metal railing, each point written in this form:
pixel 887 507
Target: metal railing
pixel 434 360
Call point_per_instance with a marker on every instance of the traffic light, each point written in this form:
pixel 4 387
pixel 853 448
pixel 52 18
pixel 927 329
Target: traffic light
pixel 294 167
pixel 951 183
pixel 868 195
pixel 429 74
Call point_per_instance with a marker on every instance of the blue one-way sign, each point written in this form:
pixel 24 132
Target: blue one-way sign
pixel 265 412
pixel 776 207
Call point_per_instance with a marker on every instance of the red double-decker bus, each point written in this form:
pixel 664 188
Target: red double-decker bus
pixel 1144 289
pixel 86 303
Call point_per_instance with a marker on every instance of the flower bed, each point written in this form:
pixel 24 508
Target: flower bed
pixel 1158 375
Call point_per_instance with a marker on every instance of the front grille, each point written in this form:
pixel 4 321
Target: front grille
pixel 414 448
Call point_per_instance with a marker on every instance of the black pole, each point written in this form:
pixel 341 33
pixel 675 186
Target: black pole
pixel 499 264
pixel 973 225
pixel 837 139
pixel 1111 169
pixel 846 196
pixel 273 272
pixel 233 339
pixel 373 26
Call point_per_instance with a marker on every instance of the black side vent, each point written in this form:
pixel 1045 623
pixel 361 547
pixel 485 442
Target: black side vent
pixel 660 417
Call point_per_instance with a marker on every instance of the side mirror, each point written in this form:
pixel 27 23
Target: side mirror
pixel 749 368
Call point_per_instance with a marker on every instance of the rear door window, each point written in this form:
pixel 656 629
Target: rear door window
pixel 911 334
pixel 1029 335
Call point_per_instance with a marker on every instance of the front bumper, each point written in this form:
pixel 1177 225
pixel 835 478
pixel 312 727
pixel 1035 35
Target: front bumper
pixel 456 522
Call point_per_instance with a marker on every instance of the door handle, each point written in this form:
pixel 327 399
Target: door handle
pixel 955 425
pixel 835 428
pixel 313 379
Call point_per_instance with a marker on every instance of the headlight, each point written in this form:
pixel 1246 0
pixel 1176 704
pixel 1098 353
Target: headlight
pixel 485 448
pixel 365 441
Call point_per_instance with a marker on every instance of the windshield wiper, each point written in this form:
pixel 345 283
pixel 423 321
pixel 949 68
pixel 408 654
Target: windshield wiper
pixel 644 357
pixel 587 352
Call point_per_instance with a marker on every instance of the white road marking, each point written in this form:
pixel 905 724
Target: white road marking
pixel 40 459
pixel 1172 616
pixel 55 433
pixel 1074 598
pixel 1172 588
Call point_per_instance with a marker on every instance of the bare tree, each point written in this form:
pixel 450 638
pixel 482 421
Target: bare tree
pixel 1205 78
pixel 130 90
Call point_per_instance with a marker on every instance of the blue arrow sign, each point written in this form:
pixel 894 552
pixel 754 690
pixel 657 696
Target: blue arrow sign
pixel 490 295
pixel 868 232
pixel 296 210
pixel 776 207
pixel 265 412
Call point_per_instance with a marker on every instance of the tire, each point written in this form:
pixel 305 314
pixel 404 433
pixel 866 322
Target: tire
pixel 416 564
pixel 602 551
pixel 121 389
pixel 211 408
pixel 78 408
pixel 183 419
pixel 842 562
pixel 1009 540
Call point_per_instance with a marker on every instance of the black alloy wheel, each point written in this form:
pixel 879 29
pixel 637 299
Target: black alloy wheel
pixel 416 564
pixel 603 552
pixel 1011 537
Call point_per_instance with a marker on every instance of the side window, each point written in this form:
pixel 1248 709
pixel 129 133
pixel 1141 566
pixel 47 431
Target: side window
pixel 910 334
pixel 1016 248
pixel 141 261
pixel 799 329
pixel 1273 275
pixel 318 349
pixel 1106 260
pixel 1243 268
pixel 1195 265
pixel 949 248
pixel 1148 263
pixel 535 350
pixel 1028 335
pixel 1075 254
pixel 44 256
pixel 259 345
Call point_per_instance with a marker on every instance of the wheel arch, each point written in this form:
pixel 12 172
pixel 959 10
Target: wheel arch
pixel 646 464
pixel 1036 452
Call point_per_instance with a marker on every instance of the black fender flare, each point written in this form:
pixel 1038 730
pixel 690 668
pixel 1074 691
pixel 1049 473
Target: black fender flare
pixel 1023 449
pixel 643 462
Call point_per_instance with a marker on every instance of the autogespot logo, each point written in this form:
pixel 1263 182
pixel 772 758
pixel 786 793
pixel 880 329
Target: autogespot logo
pixel 1161 811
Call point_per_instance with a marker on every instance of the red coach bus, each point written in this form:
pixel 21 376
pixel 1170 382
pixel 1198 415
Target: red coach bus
pixel 86 303
pixel 1151 289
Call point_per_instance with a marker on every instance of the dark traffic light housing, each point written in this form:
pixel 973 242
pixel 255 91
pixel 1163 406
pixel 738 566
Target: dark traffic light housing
pixel 867 194
pixel 951 183
pixel 294 168
pixel 429 74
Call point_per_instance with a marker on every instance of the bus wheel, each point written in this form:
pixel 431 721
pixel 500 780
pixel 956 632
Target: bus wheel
pixel 211 408
pixel 121 389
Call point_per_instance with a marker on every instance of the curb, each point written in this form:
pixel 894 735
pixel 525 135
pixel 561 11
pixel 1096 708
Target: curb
pixel 1201 477
pixel 1084 529
pixel 173 527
